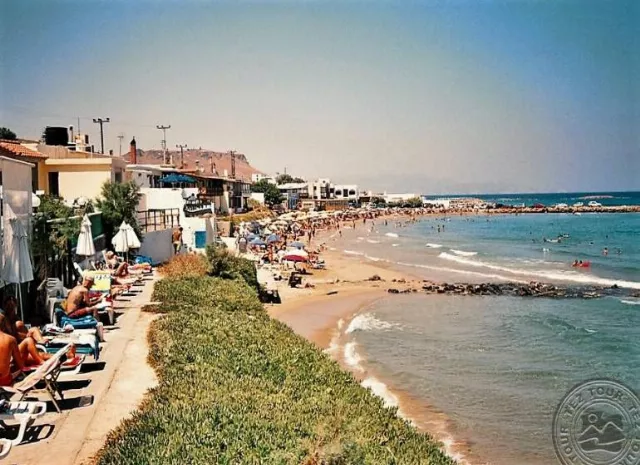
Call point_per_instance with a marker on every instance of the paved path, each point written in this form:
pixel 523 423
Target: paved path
pixel 97 399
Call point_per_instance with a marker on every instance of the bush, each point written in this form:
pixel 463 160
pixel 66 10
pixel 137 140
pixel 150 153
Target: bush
pixel 236 387
pixel 185 265
pixel 225 265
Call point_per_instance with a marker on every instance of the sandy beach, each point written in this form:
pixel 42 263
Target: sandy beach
pixel 320 314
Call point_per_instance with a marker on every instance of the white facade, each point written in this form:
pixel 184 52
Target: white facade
pixel 321 188
pixel 346 191
pixel 391 198
pixel 257 177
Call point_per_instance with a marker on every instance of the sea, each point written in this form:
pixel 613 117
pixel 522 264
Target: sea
pixel 486 373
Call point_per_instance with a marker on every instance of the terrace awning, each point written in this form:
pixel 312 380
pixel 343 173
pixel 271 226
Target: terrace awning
pixel 175 178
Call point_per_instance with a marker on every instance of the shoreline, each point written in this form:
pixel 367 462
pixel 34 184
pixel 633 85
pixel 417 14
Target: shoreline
pixel 321 315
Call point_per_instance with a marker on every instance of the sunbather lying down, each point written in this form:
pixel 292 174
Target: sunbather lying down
pixel 17 355
pixel 122 270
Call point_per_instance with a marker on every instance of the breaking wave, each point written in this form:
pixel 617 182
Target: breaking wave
pixel 391 234
pixel 434 246
pixel 368 322
pixel 545 274
pixel 462 253
pixel 353 252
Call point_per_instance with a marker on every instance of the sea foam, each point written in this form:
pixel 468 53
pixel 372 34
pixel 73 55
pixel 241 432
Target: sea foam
pixel 462 253
pixel 381 390
pixel 630 302
pixel 351 356
pixel 353 252
pixel 545 274
pixel 368 322
pixel 391 234
pixel 434 246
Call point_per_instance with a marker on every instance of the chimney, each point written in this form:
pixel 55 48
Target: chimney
pixel 133 152
pixel 71 134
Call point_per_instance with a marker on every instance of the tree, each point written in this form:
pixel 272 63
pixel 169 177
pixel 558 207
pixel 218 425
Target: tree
pixel 287 178
pixel 414 202
pixel 118 202
pixel 378 201
pixel 54 226
pixel 260 186
pixel 284 178
pixel 272 195
pixel 8 134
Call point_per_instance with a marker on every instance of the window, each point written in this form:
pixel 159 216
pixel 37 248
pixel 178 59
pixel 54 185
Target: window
pixel 117 177
pixel 338 193
pixel 54 184
pixel 352 192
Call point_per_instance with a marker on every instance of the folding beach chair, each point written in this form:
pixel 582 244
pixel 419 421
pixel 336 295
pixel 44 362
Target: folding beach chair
pixel 48 372
pixel 25 413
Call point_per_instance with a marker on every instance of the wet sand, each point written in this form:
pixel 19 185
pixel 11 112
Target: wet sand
pixel 322 313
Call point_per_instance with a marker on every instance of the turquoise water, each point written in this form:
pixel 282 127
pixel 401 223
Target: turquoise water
pixel 608 199
pixel 498 366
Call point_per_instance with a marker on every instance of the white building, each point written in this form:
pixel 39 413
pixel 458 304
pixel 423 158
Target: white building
pixel 257 177
pixel 321 188
pixel 346 191
pixel 395 198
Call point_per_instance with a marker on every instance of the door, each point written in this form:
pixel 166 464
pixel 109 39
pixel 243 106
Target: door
pixel 54 183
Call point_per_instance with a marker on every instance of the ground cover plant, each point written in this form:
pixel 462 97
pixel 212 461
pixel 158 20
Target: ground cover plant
pixel 237 387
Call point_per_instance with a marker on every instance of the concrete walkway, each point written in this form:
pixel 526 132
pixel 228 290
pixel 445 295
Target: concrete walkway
pixel 97 399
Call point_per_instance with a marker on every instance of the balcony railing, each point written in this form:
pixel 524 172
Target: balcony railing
pixel 158 220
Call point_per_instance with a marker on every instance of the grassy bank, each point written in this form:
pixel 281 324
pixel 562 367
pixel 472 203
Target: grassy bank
pixel 237 387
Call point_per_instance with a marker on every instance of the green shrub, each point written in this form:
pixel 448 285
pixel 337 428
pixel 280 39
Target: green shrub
pixel 227 266
pixel 237 387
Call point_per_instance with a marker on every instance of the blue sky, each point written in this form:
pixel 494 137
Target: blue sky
pixel 435 96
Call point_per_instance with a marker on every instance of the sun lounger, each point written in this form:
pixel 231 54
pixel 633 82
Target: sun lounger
pixel 86 343
pixel 25 413
pixel 48 373
pixel 5 448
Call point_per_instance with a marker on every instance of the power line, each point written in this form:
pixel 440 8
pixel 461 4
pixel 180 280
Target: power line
pixel 101 121
pixel 164 141
pixel 120 137
pixel 181 147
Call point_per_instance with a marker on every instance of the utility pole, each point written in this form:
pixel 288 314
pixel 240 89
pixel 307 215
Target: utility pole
pixel 101 121
pixel 181 147
pixel 233 163
pixel 164 141
pixel 120 137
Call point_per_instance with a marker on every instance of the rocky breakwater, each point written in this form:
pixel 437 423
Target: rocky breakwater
pixel 532 289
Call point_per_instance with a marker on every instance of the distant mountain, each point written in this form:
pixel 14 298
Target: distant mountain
pixel 210 161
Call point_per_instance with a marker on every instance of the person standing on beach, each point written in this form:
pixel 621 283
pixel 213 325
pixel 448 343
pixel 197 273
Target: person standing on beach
pixel 176 239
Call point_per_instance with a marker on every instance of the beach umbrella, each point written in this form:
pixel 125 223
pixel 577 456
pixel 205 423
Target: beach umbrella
pixel 272 238
pixel 17 267
pixel 119 241
pixel 297 245
pixel 296 255
pixel 257 242
pixel 132 239
pixel 85 246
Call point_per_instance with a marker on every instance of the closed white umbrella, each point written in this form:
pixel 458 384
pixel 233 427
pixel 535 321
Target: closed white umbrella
pixel 119 241
pixel 132 239
pixel 17 267
pixel 85 245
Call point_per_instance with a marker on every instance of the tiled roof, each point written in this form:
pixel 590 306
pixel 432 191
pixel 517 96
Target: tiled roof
pixel 13 148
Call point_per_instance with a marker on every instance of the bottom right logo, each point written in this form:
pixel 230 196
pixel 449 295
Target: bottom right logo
pixel 598 423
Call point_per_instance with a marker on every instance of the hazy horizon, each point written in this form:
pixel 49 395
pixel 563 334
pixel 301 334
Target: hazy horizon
pixel 429 96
